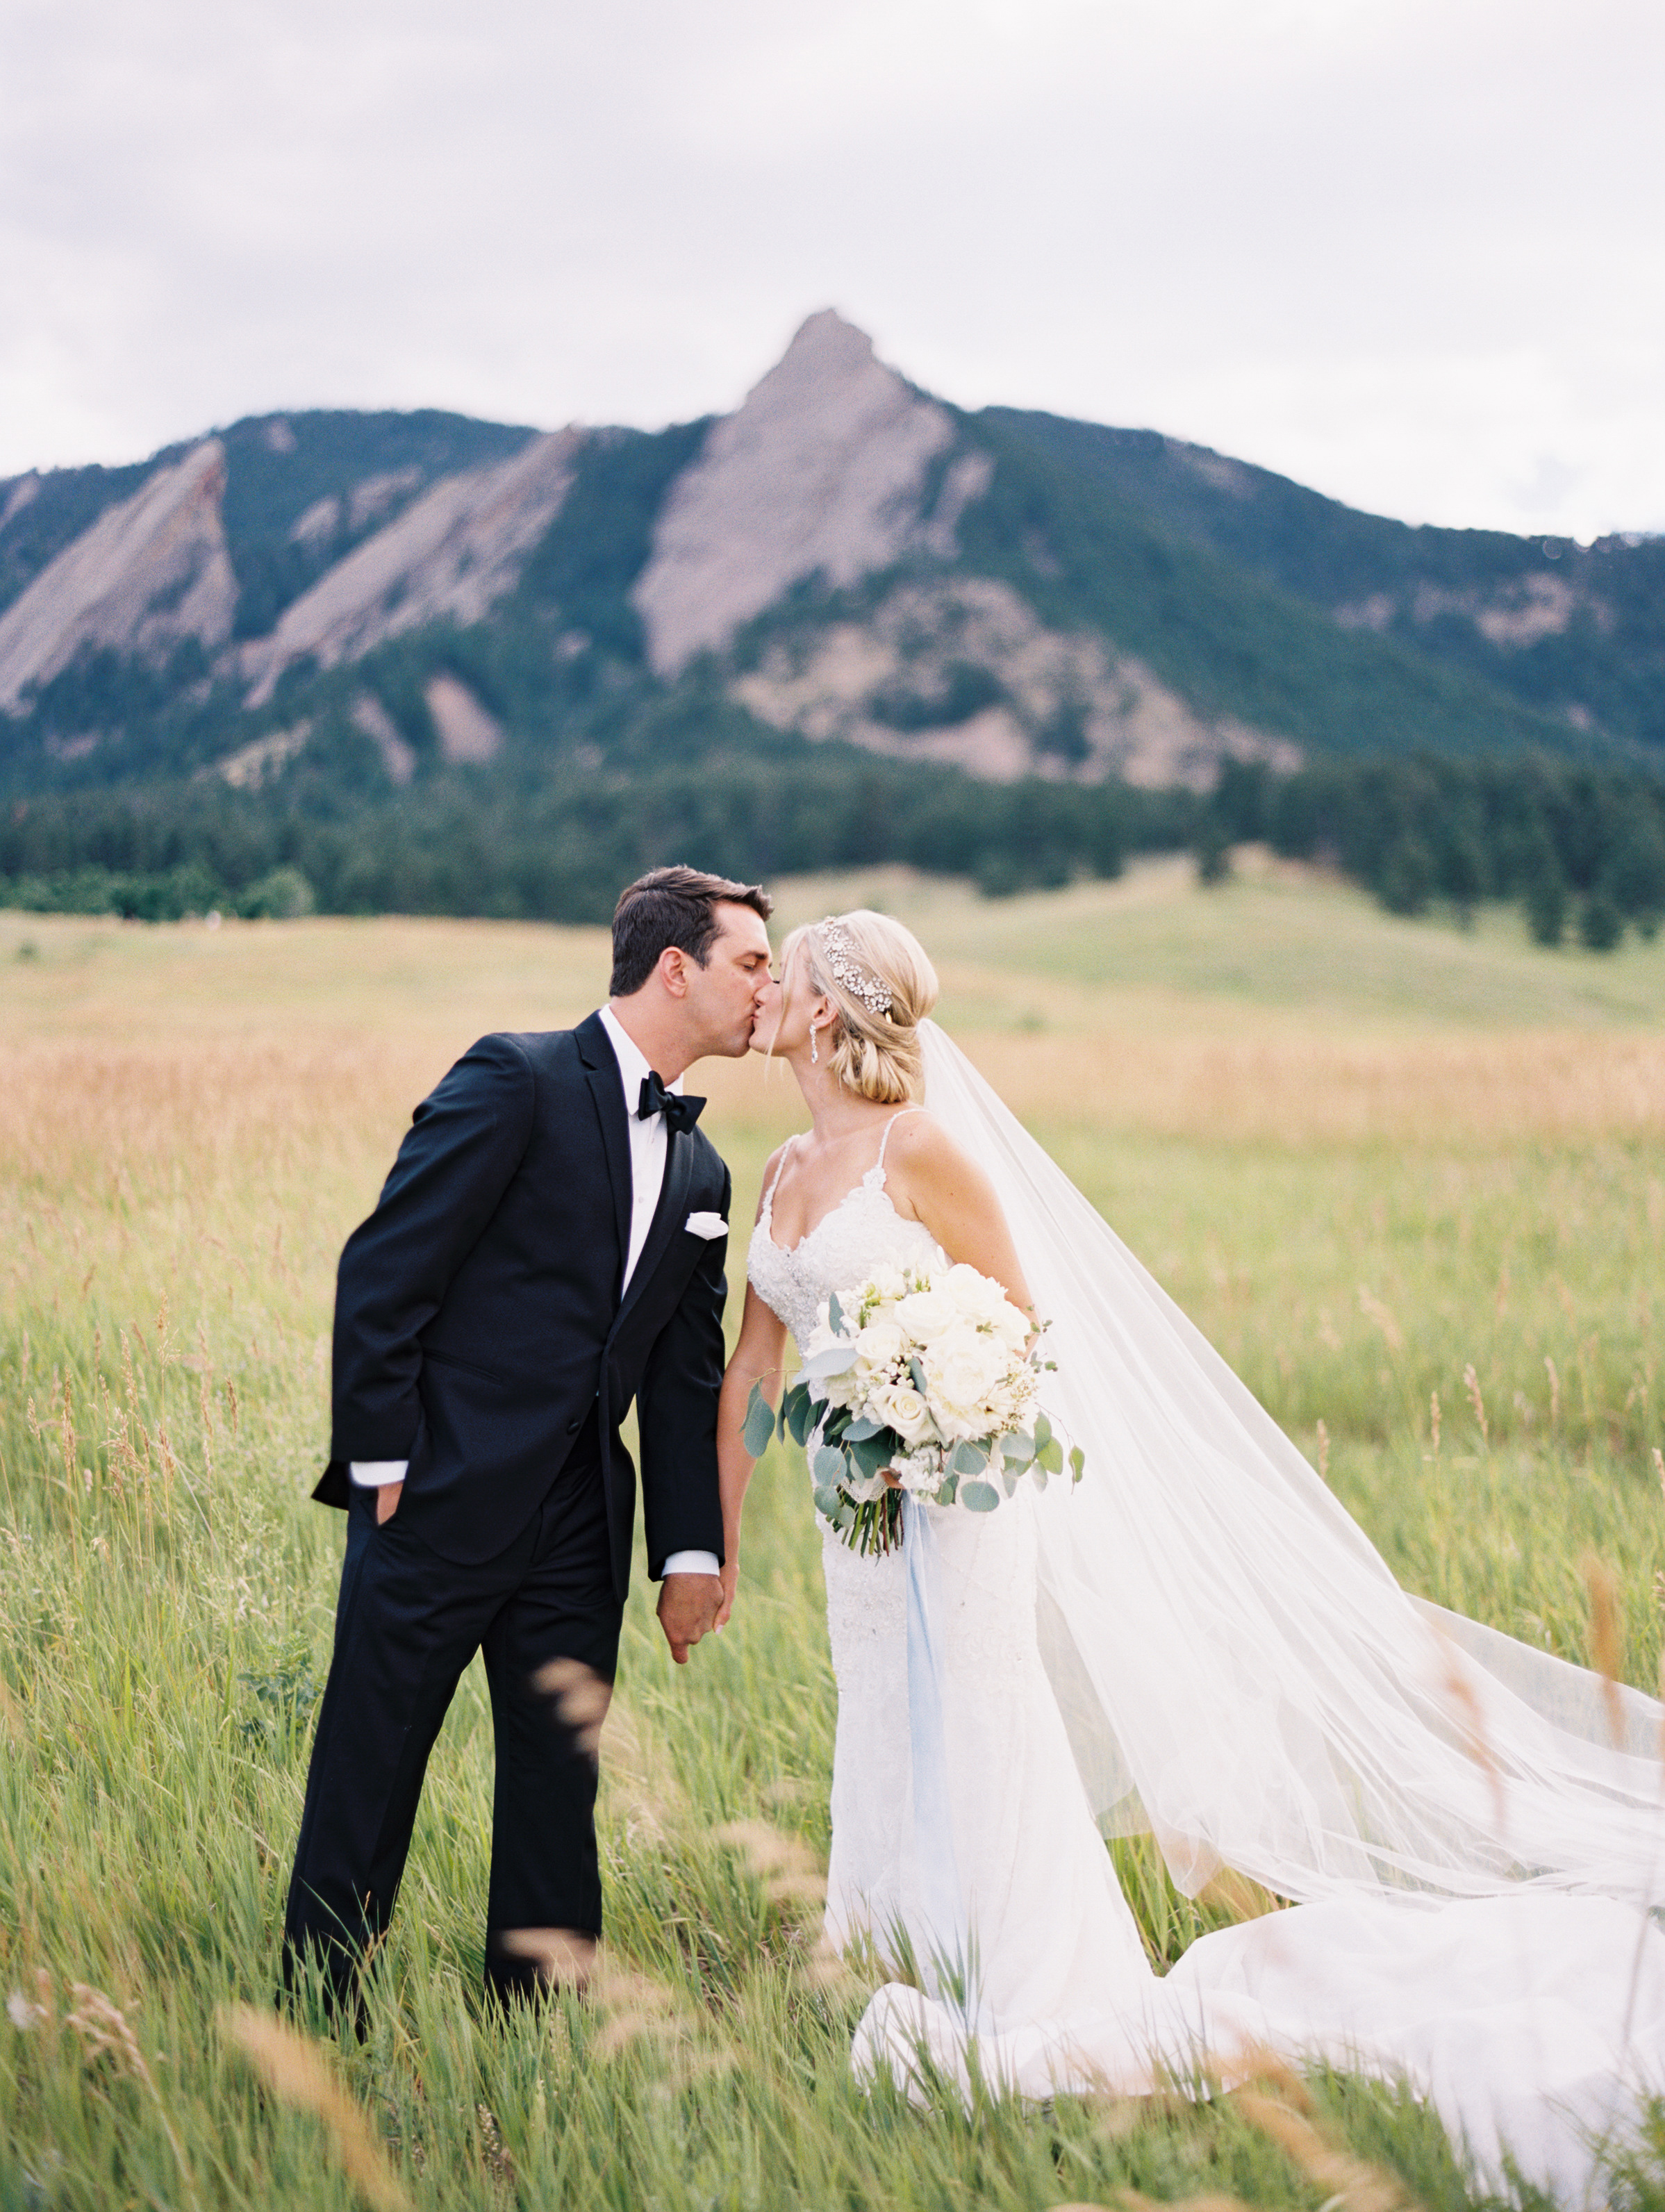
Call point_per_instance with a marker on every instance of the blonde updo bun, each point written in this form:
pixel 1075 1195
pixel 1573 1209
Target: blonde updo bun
pixel 878 1055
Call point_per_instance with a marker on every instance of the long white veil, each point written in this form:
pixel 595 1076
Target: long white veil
pixel 1238 1671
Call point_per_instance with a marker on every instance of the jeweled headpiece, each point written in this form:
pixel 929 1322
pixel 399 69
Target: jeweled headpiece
pixel 839 955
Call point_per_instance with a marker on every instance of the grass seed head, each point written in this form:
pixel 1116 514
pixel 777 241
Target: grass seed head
pixel 784 1864
pixel 1237 1897
pixel 1470 1716
pixel 580 1697
pixel 1348 2182
pixel 1471 1383
pixel 296 2071
pixel 1607 1639
pixel 564 1957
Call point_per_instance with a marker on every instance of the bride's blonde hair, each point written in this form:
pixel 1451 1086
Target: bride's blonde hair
pixel 881 986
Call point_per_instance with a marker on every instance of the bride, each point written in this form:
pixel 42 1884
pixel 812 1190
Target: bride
pixel 1198 1642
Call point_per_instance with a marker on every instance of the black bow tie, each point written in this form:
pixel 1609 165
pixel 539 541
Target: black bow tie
pixel 679 1113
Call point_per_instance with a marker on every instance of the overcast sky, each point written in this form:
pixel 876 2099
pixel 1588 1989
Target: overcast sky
pixel 1411 251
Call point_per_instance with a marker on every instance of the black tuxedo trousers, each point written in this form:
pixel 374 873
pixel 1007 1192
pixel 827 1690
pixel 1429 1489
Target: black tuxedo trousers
pixel 407 1624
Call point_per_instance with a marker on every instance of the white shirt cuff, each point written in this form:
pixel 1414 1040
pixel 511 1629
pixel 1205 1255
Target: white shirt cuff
pixel 376 1473
pixel 692 1563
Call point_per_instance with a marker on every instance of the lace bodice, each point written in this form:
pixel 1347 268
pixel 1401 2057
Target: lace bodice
pixel 862 1230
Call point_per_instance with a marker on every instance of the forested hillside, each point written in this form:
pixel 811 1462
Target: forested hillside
pixel 1572 630
pixel 418 661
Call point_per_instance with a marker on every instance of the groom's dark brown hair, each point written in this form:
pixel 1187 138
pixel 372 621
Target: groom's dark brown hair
pixel 672 906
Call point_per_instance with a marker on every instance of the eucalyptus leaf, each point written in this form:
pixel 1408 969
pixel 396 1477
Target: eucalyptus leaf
pixel 950 1491
pixel 968 1459
pixel 918 1374
pixel 826 1501
pixel 758 1432
pixel 798 1413
pixel 1051 1456
pixel 835 1315
pixel 835 1359
pixel 872 1453
pixel 857 1432
pixel 1018 1447
pixel 1042 1432
pixel 979 1497
pixel 1077 1461
pixel 828 1466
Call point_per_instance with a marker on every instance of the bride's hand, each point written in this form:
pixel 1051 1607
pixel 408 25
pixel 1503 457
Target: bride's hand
pixel 731 1578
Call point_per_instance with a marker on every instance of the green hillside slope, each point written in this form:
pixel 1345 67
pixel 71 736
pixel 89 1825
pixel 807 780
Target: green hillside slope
pixel 1229 640
pixel 1454 596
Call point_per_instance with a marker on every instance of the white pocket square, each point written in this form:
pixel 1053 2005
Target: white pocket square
pixel 706 1224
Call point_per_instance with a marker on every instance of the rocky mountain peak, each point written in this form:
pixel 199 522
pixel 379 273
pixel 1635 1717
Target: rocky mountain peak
pixel 823 471
pixel 451 555
pixel 152 571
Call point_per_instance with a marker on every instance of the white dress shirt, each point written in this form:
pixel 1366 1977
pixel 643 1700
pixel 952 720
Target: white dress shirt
pixel 649 1140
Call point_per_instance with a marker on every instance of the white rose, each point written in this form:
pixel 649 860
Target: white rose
pixel 981 1299
pixel 879 1346
pixel 925 1314
pixel 964 1375
pixel 1013 1329
pixel 901 1407
pixel 974 1295
pixel 969 1349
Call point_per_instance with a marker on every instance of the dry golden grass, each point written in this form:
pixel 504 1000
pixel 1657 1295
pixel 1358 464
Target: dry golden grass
pixel 1314 1085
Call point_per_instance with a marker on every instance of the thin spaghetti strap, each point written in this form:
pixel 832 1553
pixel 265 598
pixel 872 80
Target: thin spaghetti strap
pixel 769 1196
pixel 880 1162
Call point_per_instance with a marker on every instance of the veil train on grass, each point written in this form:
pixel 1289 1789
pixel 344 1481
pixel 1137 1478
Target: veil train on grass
pixel 1238 1671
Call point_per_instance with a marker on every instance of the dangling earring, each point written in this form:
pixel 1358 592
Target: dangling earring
pixel 815 1047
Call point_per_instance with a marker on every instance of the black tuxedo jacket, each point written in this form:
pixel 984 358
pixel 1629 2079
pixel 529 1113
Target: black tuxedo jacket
pixel 479 1319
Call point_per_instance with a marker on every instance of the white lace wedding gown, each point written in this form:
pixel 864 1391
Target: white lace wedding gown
pixel 1533 2023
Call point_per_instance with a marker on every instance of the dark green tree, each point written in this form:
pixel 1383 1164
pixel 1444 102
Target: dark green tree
pixel 1544 893
pixel 1406 883
pixel 1601 925
pixel 1212 849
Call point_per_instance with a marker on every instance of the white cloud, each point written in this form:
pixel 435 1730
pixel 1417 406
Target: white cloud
pixel 1407 251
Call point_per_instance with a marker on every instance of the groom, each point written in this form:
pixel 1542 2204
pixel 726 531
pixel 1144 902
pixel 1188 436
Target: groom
pixel 549 1246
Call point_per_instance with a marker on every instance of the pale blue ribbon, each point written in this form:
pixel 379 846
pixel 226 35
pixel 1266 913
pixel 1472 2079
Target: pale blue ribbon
pixel 937 1867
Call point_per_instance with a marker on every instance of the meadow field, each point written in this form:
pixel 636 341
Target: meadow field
pixel 1411 1180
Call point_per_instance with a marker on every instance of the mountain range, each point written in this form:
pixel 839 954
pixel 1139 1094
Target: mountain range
pixel 358 602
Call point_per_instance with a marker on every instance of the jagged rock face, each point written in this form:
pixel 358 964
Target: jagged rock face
pixel 823 471
pixel 453 553
pixel 1058 706
pixel 152 571
pixel 469 735
pixel 1518 613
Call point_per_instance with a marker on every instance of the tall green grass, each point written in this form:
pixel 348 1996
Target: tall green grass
pixel 170 1218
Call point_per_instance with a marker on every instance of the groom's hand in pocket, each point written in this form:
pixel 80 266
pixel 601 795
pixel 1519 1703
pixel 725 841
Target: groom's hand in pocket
pixel 688 1610
pixel 387 1501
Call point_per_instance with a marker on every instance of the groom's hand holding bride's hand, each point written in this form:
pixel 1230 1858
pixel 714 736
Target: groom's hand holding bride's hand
pixel 731 1583
pixel 688 1610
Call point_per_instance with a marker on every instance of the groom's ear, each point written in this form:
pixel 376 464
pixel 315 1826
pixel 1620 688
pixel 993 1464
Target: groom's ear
pixel 672 968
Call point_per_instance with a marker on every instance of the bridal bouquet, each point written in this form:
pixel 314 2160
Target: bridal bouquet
pixel 919 1376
